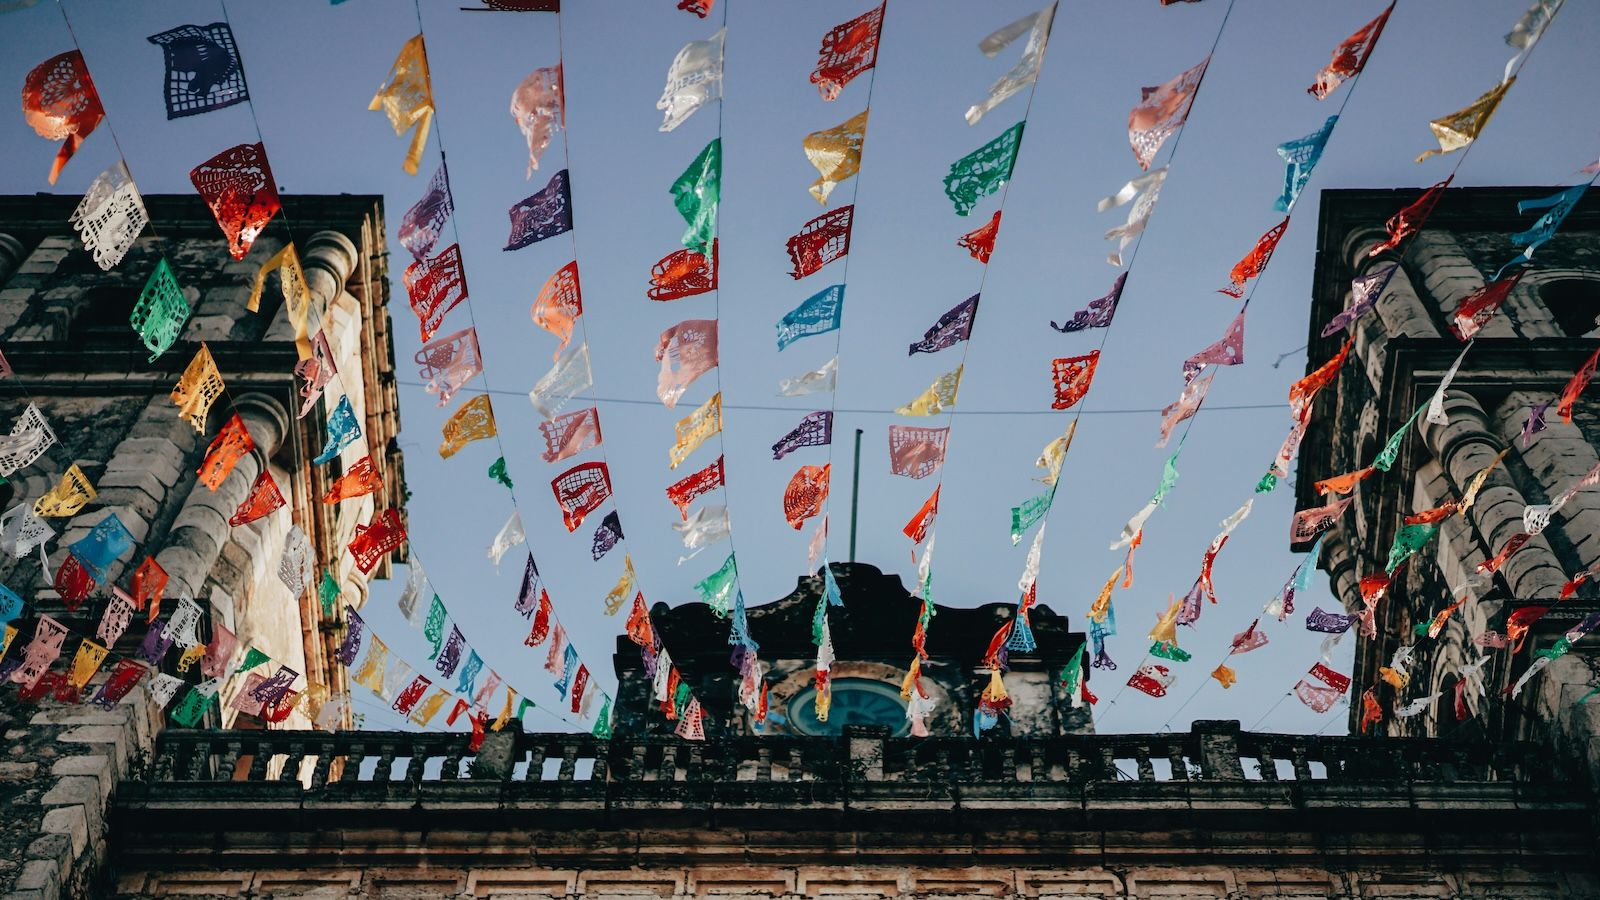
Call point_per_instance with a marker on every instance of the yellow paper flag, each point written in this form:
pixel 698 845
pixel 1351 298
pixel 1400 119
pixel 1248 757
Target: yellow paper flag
pixel 474 421
pixel 407 98
pixel 939 396
pixel 695 428
pixel 199 387
pixel 1462 127
pixel 836 152
pixel 71 494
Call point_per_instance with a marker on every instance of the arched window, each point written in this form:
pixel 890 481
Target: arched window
pixel 1574 303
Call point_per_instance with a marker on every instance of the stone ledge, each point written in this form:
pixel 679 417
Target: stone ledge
pixel 70 821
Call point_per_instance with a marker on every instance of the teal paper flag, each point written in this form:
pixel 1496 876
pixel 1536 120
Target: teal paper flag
pixel 983 171
pixel 1301 155
pixel 819 314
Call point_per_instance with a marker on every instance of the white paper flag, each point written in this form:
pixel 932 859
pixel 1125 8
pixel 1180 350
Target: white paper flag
pixel 811 382
pixel 1148 189
pixel 707 526
pixel 565 380
pixel 1037 27
pixel 693 80
pixel 510 535
pixel 110 216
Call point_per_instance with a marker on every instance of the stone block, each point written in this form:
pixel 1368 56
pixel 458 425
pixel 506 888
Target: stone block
pixel 131 504
pixel 78 790
pixel 138 477
pixel 70 821
pixel 96 767
pixel 113 738
pixel 209 328
pixel 56 848
pixel 18 771
pixel 167 467
pixel 39 875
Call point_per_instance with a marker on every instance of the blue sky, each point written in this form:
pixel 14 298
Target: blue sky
pixel 313 68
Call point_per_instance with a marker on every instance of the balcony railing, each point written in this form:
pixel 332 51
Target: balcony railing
pixel 584 766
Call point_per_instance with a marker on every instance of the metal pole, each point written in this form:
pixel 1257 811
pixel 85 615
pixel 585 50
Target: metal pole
pixel 855 495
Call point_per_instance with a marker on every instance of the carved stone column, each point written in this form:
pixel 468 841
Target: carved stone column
pixel 1464 447
pixel 201 529
pixel 11 255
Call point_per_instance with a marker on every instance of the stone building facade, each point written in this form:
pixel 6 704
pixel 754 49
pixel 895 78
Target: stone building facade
pixel 65 332
pixel 1521 359
pixel 871 635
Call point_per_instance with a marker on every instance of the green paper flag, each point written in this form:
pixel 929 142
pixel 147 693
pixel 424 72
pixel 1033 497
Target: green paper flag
pixel 680 700
pixel 433 628
pixel 716 589
pixel 1023 517
pixel 193 706
pixel 328 593
pixel 1072 673
pixel 602 722
pixel 819 620
pixel 159 314
pixel 1267 483
pixel 497 471
pixel 983 171
pixel 1169 650
pixel 1410 539
pixel 1556 651
pixel 523 707
pixel 1585 698
pixel 252 658
pixel 696 194
pixel 1391 450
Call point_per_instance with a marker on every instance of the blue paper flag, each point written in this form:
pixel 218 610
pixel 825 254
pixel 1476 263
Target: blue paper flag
pixel 818 315
pixel 1301 155
pixel 343 429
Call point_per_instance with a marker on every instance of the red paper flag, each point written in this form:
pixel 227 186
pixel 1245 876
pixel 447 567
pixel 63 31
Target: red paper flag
pixel 1580 380
pixel 372 542
pixel 73 582
pixel 1256 260
pixel 237 184
pixel 704 481
pixel 264 498
pixel 232 442
pixel 917 528
pixel 60 102
pixel 847 51
pixel 580 490
pixel 1409 220
pixel 980 241
pixel 1349 58
pixel 434 286
pixel 359 480
pixel 821 241
pixel 683 273
pixel 1072 376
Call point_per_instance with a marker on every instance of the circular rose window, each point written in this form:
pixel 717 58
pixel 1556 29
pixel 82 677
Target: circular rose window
pixel 856 701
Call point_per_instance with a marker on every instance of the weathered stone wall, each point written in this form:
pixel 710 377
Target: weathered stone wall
pixel 64 325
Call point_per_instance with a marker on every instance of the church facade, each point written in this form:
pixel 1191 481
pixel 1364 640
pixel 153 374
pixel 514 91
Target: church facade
pixel 1459 624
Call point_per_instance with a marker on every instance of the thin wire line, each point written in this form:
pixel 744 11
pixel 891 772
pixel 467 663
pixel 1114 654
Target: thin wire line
pixel 634 401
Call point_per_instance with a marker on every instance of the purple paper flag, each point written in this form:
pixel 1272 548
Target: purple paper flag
pixel 543 215
pixel 815 430
pixel 1327 622
pixel 607 535
pixel 423 223
pixel 1099 312
pixel 354 626
pixel 450 656
pixel 1364 294
pixel 528 594
pixel 952 327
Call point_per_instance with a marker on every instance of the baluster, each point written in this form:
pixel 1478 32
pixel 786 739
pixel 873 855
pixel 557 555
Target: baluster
pixel 1180 769
pixel 452 759
pixel 941 763
pixel 668 770
pixel 1008 763
pixel 353 759
pixel 1073 766
pixel 199 758
pixel 536 758
pixel 569 762
pixel 1268 765
pixel 1302 767
pixel 291 766
pixel 636 762
pixel 797 763
pixel 602 751
pixel 764 763
pixel 386 758
pixel 695 773
pixel 1141 756
pixel 1108 762
pixel 258 763
pixel 319 773
pixel 419 759
pixel 1037 769
pixel 229 759
pixel 165 761
pixel 730 763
